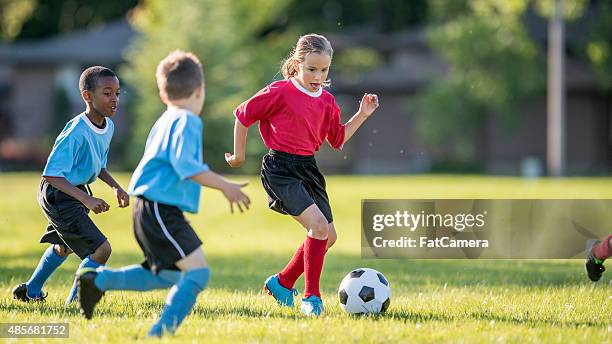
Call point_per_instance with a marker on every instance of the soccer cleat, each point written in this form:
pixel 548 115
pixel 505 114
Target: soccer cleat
pixel 89 294
pixel 593 265
pixel 282 295
pixel 312 305
pixel 20 293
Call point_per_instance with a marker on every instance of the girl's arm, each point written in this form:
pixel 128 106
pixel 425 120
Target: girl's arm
pixel 369 103
pixel 240 136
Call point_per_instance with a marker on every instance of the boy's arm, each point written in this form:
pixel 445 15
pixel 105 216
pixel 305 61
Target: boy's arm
pixel 369 103
pixel 122 197
pixel 240 136
pixel 230 190
pixel 95 204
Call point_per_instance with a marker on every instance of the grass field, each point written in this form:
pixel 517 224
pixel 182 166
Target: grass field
pixel 469 301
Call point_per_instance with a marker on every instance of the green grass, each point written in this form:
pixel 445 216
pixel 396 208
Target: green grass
pixel 520 301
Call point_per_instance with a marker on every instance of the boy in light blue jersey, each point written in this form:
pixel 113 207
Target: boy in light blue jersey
pixel 166 183
pixel 78 158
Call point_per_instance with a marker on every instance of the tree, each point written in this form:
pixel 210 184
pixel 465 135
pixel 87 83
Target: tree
pixel 494 66
pixel 236 62
pixel 31 19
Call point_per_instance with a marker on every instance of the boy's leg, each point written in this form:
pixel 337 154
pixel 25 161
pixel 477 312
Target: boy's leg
pixel 135 277
pixel 93 283
pixel 596 255
pixel 182 296
pixel 51 259
pixel 98 258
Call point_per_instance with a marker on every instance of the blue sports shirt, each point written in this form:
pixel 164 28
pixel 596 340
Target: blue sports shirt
pixel 80 151
pixel 173 154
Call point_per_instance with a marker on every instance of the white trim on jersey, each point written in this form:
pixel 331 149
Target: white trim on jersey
pixel 305 91
pixel 93 127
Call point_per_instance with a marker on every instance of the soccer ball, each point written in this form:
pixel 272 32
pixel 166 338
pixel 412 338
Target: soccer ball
pixel 364 291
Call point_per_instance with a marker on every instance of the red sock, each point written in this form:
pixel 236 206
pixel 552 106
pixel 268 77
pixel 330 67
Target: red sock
pixel 602 250
pixel 293 270
pixel 314 252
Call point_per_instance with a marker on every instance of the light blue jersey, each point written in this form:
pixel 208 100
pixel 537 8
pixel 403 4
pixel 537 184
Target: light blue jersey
pixel 80 151
pixel 172 155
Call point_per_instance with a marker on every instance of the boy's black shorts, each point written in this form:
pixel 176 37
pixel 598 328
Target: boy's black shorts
pixel 69 222
pixel 293 183
pixel 163 233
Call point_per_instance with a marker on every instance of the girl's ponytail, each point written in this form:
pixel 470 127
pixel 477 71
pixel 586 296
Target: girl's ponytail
pixel 287 67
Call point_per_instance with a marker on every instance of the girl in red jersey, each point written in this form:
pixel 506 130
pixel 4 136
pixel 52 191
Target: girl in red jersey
pixel 295 116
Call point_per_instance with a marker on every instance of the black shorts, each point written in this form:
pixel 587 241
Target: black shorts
pixel 293 183
pixel 69 222
pixel 163 233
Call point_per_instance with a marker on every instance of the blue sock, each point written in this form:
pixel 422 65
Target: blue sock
pixel 180 301
pixel 135 277
pixel 86 263
pixel 48 263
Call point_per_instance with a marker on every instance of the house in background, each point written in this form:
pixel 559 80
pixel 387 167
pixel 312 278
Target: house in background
pixel 388 142
pixel 39 88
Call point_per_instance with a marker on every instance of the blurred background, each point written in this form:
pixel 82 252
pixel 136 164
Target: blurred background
pixel 508 87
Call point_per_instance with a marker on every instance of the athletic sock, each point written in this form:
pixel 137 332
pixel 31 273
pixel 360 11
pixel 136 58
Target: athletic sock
pixel 314 253
pixel 293 270
pixel 180 301
pixel 86 263
pixel 135 277
pixel 49 262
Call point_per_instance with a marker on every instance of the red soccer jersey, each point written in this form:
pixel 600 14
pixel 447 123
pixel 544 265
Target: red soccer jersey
pixel 292 119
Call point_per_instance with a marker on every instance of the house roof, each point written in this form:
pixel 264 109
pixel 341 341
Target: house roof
pixel 100 44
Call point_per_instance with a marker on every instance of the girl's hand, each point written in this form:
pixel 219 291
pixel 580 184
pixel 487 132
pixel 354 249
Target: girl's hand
pixel 233 160
pixel 368 104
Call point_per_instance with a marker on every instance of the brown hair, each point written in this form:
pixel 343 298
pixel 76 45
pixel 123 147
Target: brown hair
pixel 307 44
pixel 179 74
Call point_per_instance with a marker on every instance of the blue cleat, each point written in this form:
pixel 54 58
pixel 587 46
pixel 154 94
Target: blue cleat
pixel 312 306
pixel 282 295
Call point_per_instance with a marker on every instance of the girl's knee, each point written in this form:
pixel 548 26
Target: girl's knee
pixel 320 228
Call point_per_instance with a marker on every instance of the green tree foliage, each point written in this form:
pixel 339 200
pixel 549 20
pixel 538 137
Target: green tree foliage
pixel 28 19
pixel 12 15
pixel 599 46
pixel 237 61
pixel 493 67
pixel 378 15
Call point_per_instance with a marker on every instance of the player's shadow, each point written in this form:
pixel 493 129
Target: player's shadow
pixel 429 316
pixel 151 307
pixel 247 272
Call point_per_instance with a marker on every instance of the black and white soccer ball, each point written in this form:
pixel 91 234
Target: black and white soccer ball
pixel 364 291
